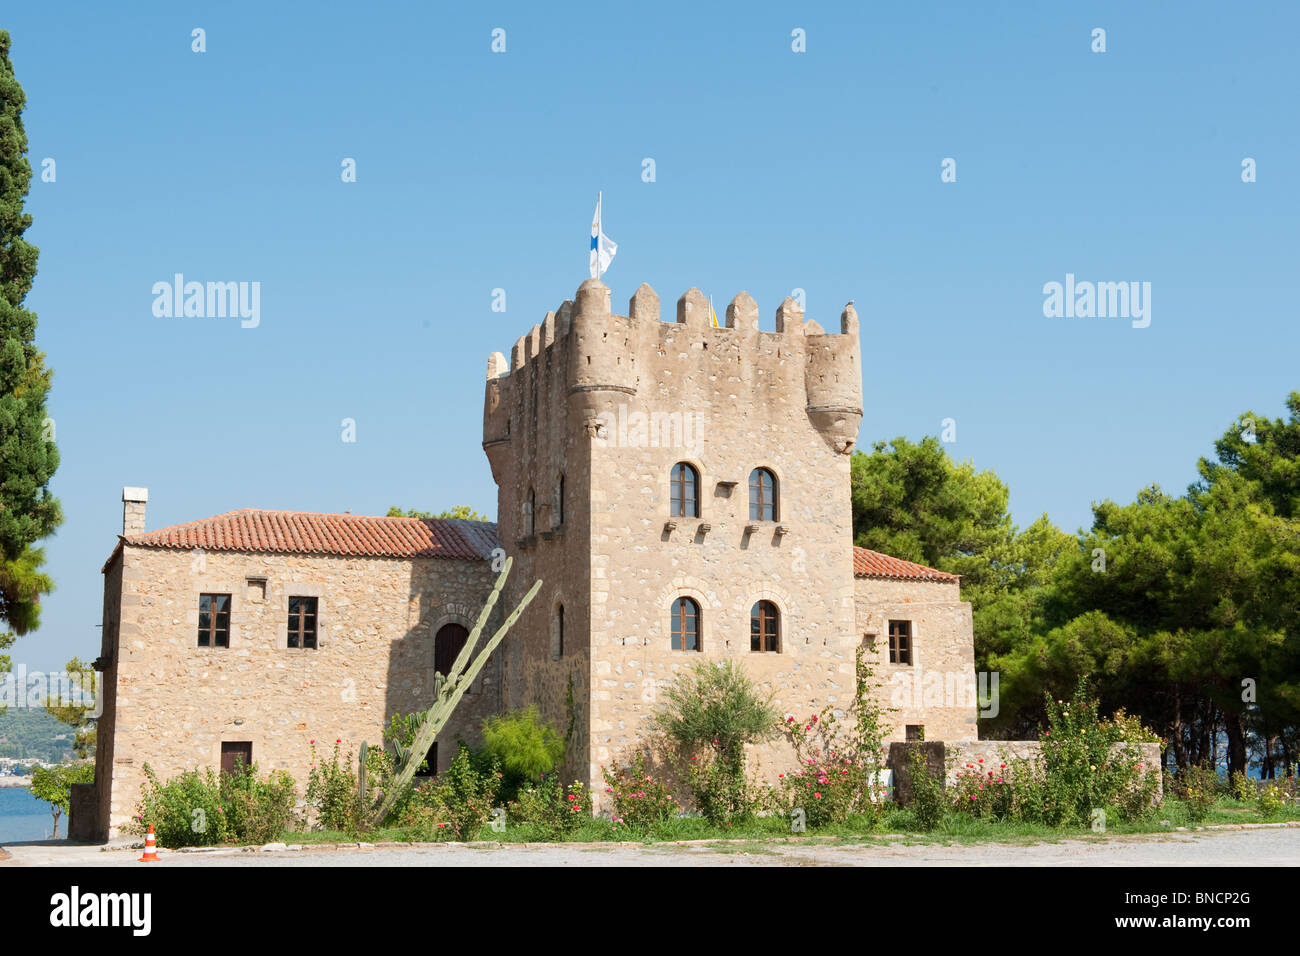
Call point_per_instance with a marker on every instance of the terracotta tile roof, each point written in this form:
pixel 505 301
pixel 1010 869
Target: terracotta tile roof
pixel 303 532
pixel 873 564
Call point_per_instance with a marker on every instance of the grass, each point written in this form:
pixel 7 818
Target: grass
pixel 895 825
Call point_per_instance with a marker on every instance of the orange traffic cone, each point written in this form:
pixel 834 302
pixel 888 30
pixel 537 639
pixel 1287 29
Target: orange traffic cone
pixel 150 856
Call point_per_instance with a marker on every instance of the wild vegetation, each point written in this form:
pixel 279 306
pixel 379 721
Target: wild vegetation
pixel 1183 608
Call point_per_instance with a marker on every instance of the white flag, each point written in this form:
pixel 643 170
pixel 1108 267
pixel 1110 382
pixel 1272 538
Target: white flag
pixel 603 248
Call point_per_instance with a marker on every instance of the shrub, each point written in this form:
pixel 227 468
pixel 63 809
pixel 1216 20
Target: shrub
pixel 1272 799
pixel 423 814
pixel 723 793
pixel 712 711
pixel 1089 763
pixel 468 795
pixel 552 808
pixel 332 792
pixel 985 791
pixel 639 801
pixel 839 763
pixel 185 811
pixel 522 745
pixel 257 811
pixel 927 791
pixel 1243 791
pixel 1198 787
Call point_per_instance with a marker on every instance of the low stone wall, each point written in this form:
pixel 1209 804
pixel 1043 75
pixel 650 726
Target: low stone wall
pixel 995 752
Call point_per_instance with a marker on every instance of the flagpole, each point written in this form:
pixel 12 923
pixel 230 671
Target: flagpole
pixel 600 228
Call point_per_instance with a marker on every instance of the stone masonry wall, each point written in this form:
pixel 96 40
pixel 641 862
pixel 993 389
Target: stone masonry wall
pixel 173 703
pixel 938 689
pixel 996 752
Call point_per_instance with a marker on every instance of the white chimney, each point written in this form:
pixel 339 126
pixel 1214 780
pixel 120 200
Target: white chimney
pixel 133 502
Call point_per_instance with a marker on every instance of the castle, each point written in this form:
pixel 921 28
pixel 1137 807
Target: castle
pixel 682 490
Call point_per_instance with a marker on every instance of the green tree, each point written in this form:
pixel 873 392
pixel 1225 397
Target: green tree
pixel 717 707
pixel 1175 607
pixel 54 786
pixel 73 712
pixel 463 512
pixel 912 501
pixel 28 457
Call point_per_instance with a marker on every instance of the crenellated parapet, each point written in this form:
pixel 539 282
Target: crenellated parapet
pixel 603 357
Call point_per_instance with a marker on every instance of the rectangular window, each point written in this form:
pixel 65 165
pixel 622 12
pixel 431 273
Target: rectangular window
pixel 236 755
pixel 915 731
pixel 302 622
pixel 900 642
pixel 214 620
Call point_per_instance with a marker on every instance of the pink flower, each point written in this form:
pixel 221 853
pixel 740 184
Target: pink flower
pixel 972 796
pixel 572 797
pixel 338 740
pixel 981 760
pixel 814 718
pixel 781 776
pixel 817 795
pixel 313 741
pixel 1003 766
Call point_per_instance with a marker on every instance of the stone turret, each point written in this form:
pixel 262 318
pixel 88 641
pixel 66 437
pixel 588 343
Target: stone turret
pixel 602 353
pixel 833 381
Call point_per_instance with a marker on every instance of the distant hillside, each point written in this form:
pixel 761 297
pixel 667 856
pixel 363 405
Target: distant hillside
pixel 31 734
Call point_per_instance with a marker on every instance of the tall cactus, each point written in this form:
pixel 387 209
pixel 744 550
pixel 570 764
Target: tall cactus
pixel 448 692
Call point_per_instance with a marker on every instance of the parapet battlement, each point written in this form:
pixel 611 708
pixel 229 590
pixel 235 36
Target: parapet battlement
pixel 596 354
pixel 593 297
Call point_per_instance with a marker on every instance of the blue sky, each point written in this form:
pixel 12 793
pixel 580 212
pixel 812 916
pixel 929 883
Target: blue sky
pixel 775 170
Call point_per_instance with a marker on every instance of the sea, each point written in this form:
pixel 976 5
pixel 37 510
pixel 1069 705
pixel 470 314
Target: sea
pixel 23 817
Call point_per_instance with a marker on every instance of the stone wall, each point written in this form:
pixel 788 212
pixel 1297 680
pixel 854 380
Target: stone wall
pixel 612 403
pixel 996 752
pixel 937 691
pixel 172 704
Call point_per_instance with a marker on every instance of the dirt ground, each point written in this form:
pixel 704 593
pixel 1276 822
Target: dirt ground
pixel 1255 846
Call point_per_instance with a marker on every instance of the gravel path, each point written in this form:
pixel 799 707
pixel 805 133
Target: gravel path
pixel 1264 846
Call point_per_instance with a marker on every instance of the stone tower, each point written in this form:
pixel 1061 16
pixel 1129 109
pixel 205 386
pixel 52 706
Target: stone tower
pixel 583 428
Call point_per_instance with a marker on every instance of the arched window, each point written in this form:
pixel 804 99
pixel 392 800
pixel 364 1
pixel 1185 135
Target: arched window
pixel 764 627
pixel 686 625
pixel 447 645
pixel 762 495
pixel 684 485
pixel 559 502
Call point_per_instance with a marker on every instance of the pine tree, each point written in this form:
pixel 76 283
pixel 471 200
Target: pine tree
pixel 28 457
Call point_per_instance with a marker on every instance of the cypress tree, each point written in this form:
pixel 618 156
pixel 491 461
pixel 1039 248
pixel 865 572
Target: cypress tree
pixel 28 457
